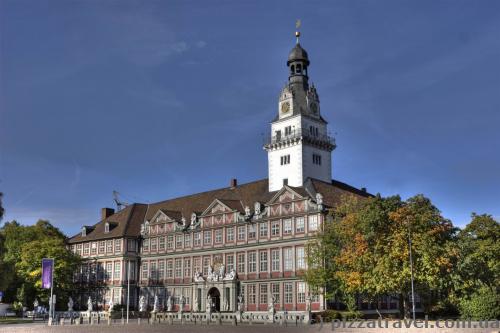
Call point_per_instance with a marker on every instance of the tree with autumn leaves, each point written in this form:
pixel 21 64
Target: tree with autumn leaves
pixel 364 252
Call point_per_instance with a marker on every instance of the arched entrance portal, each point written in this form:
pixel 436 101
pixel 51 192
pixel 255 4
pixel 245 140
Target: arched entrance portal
pixel 214 296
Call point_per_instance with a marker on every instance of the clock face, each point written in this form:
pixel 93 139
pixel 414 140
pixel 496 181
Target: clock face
pixel 314 108
pixel 285 107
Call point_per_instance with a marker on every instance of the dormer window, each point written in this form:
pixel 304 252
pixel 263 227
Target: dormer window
pixel 84 231
pixel 106 227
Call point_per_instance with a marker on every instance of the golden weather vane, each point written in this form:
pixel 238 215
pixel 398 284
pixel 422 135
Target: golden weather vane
pixel 298 23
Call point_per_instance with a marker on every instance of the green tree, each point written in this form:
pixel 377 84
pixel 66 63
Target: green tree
pixel 369 251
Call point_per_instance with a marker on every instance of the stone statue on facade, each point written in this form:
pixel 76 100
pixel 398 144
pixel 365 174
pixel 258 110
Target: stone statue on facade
pixel 198 277
pixel 182 302
pixel 70 304
pixel 89 304
pixel 110 305
pixel 248 213
pixel 270 305
pixel 319 200
pixel 240 303
pixel 208 306
pixel 225 305
pixel 211 276
pixel 156 304
pixel 142 304
pixel 231 275
pixel 222 271
pixel 169 303
pixel 256 208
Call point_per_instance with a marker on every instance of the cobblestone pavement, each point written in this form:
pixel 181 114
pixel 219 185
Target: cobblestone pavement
pixel 256 328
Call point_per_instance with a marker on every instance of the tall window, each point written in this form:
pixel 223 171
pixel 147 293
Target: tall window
pixel 170 269
pixel 301 262
pixel 285 159
pixel 145 245
pixel 275 228
pixel 263 293
pixel 170 242
pixel 218 236
pixel 263 230
pixel 206 264
pixel 241 263
pixel 316 159
pixel 299 224
pixel 145 274
pixel 109 270
pixel 275 260
pixel 93 248
pixel 102 246
pixel 161 269
pixel 197 264
pixel 153 272
pixel 301 292
pixel 118 270
pixel 288 293
pixel 161 243
pixel 275 290
pixel 288 258
pixel 187 240
pixel 179 239
pixel 230 234
pixel 241 233
pixel 288 130
pixel 287 226
pixel 263 261
pixel 251 231
pixel 187 267
pixel 109 246
pixel 178 268
pixel 86 249
pixel 207 237
pixel 252 262
pixel 252 291
pixel 118 245
pixel 153 244
pixel 313 223
pixel 230 262
pixel 197 238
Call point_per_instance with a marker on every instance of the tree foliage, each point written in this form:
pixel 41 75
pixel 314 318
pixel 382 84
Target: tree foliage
pixel 366 246
pixel 23 248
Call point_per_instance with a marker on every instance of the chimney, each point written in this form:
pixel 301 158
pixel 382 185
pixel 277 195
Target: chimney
pixel 233 183
pixel 106 212
pixel 363 189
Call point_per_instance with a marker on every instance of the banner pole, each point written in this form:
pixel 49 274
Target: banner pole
pixel 51 290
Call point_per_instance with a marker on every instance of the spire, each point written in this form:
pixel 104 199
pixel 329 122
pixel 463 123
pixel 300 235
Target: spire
pixel 297 32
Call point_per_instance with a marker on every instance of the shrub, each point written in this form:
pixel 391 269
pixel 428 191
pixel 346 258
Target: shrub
pixel 329 315
pixel 483 304
pixel 350 315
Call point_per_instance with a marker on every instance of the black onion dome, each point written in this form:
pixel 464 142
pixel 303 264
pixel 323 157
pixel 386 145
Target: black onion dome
pixel 298 54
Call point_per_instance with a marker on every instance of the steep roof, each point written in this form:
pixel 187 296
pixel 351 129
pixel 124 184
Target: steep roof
pixel 128 221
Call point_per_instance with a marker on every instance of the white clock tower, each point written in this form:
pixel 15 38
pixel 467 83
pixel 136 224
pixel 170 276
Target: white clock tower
pixel 299 146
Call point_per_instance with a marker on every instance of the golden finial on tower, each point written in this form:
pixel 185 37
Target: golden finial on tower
pixel 297 26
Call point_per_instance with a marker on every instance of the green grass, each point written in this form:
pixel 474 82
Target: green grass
pixel 13 320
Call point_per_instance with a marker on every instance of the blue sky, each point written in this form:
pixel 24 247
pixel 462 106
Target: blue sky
pixel 157 99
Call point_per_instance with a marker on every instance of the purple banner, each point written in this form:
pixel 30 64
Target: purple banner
pixel 47 269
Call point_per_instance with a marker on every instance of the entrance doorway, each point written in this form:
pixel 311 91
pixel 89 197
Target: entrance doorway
pixel 214 295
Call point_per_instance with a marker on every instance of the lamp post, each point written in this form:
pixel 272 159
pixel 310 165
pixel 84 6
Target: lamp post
pixel 411 271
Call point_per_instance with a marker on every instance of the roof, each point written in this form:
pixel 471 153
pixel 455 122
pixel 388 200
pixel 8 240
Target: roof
pixel 128 220
pixel 298 53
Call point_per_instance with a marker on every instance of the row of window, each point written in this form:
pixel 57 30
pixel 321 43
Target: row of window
pixel 245 232
pixel 102 247
pixel 259 293
pixel 285 159
pixel 261 261
pixel 104 271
